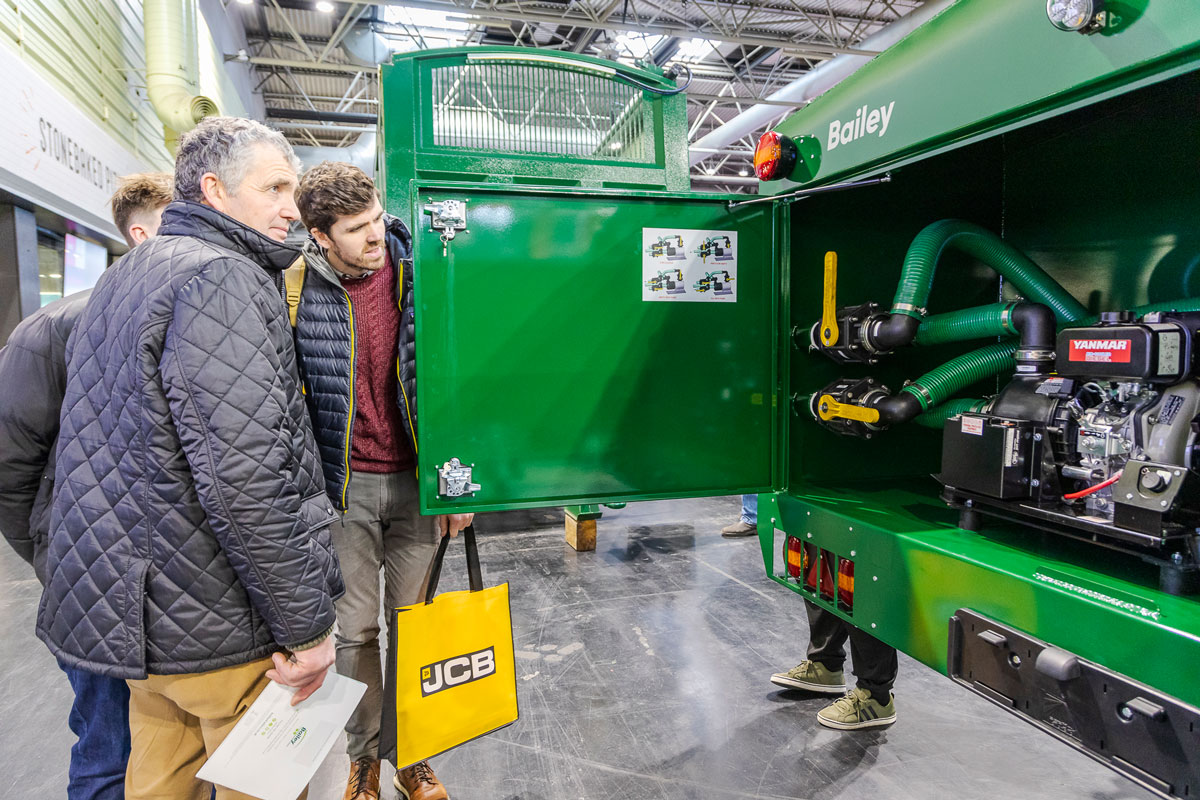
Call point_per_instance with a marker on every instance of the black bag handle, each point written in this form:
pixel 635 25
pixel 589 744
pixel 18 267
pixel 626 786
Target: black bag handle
pixel 474 573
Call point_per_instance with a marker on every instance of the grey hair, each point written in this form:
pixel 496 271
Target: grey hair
pixel 223 146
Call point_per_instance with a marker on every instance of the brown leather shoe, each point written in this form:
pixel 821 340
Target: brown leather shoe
pixel 363 783
pixel 419 783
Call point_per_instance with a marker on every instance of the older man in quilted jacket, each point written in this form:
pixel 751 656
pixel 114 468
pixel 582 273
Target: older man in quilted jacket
pixel 189 550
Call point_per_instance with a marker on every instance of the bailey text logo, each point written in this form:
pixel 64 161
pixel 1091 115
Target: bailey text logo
pixel 451 672
pixel 867 122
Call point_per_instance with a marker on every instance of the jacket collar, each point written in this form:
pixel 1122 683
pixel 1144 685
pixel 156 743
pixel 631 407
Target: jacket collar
pixel 186 218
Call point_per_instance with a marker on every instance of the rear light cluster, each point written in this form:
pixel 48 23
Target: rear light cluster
pixel 775 157
pixel 821 572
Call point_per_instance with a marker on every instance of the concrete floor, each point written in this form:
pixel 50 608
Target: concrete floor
pixel 643 673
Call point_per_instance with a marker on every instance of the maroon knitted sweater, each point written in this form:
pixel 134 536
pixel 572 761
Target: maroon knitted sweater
pixel 379 443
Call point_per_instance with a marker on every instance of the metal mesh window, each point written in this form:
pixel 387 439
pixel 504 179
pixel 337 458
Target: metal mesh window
pixel 520 108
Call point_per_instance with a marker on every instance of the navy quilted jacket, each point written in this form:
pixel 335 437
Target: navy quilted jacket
pixel 189 529
pixel 326 351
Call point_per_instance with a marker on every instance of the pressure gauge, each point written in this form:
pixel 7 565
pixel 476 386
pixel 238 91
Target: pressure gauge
pixel 1075 15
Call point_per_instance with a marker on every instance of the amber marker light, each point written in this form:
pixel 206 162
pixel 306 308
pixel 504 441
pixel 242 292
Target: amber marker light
pixel 774 157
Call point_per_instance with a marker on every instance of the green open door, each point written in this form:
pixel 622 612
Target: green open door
pixel 554 363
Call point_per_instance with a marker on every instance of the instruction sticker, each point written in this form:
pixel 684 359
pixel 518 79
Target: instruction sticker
pixel 686 265
pixel 973 425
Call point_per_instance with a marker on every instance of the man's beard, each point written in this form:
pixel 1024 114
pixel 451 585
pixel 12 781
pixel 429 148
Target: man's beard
pixel 359 265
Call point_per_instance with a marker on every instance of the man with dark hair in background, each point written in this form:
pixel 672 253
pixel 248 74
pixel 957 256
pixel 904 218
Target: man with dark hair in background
pixel 189 541
pixel 352 307
pixel 34 365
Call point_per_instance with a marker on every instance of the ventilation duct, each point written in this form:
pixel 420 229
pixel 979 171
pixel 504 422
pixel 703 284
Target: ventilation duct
pixel 366 48
pixel 361 154
pixel 171 65
pixel 813 83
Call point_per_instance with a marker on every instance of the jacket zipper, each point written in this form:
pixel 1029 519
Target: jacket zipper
pixel 403 392
pixel 350 413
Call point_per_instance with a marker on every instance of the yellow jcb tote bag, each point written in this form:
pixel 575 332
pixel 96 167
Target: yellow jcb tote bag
pixel 451 675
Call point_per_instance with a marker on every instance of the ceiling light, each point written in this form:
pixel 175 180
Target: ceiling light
pixel 246 2
pixel 743 172
pixel 615 146
pixel 324 6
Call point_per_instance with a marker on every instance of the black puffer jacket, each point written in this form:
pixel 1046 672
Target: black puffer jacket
pixel 33 367
pixel 190 523
pixel 325 347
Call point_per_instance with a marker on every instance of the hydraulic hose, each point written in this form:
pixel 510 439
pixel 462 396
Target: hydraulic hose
pixel 926 249
pixel 936 417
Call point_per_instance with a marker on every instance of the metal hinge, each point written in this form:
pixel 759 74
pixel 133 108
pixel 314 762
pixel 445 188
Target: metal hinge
pixel 454 480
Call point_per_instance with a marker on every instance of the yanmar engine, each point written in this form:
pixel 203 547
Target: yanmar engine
pixel 1105 448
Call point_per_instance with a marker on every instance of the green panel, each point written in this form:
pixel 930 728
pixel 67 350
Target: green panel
pixel 542 365
pixel 980 67
pixel 914 568
pixel 1135 240
pixel 512 92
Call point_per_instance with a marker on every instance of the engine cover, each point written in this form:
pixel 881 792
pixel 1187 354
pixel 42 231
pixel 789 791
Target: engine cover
pixel 1120 349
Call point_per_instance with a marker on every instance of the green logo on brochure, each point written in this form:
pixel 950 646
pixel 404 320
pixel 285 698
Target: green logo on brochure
pixel 298 736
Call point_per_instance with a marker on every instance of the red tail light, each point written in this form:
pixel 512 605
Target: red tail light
pixel 775 157
pixel 812 567
pixel 828 587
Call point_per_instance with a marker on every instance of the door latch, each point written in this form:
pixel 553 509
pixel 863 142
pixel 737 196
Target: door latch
pixel 449 217
pixel 454 480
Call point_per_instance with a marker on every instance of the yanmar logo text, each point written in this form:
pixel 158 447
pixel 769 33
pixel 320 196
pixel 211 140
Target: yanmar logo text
pixel 451 672
pixel 1105 351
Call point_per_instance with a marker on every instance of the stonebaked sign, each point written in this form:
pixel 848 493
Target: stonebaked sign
pixel 52 153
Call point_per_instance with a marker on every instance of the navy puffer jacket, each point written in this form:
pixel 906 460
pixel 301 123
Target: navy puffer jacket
pixel 325 347
pixel 33 365
pixel 190 528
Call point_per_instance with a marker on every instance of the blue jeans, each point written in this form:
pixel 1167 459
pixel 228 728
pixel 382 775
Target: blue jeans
pixel 100 718
pixel 750 509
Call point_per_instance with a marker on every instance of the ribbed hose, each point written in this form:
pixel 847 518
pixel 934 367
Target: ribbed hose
pixel 1182 305
pixel 936 386
pixel 1029 279
pixel 980 322
pixel 936 417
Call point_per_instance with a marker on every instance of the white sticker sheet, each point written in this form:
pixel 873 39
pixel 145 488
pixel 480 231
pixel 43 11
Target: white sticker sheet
pixel 685 265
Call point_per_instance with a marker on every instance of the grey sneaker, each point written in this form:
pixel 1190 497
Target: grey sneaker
pixel 857 710
pixel 738 529
pixel 812 677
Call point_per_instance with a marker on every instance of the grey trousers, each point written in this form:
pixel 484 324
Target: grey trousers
pixel 381 530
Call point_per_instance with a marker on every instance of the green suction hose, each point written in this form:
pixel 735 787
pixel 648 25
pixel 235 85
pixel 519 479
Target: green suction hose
pixel 937 385
pixel 1029 279
pixel 936 417
pixel 980 322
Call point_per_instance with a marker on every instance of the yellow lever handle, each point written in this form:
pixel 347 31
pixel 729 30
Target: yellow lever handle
pixel 829 330
pixel 828 408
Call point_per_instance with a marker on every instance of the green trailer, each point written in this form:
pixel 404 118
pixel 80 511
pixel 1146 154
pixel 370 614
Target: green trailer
pixel 553 373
